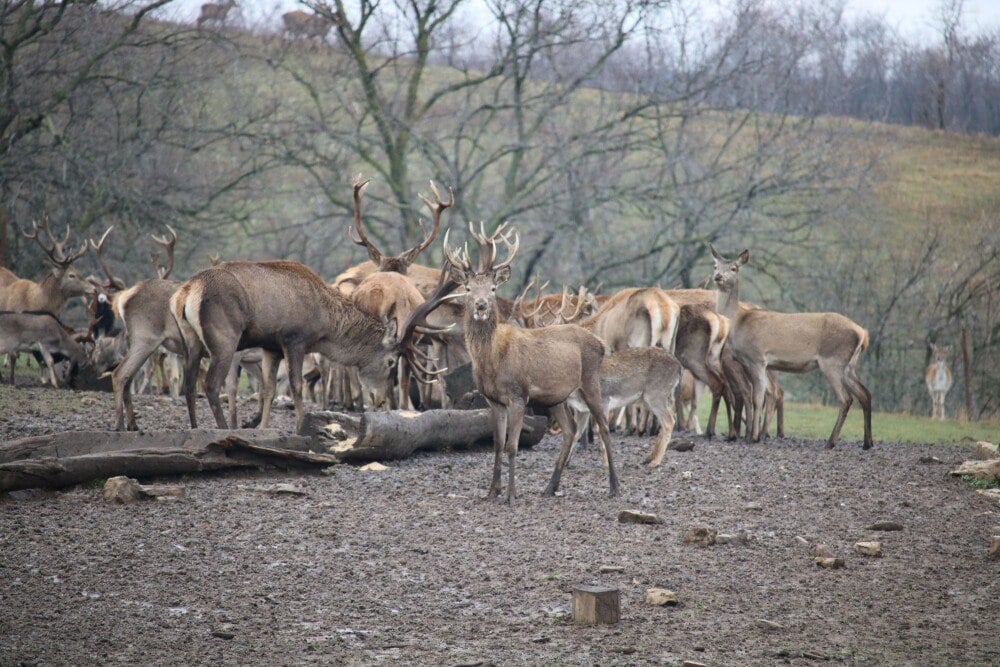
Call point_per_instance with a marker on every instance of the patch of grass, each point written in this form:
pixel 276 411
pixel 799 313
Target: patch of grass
pixel 979 483
pixel 813 421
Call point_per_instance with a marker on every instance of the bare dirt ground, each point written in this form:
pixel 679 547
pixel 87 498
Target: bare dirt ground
pixel 412 564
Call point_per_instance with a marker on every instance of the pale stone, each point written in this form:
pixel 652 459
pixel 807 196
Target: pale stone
pixel 765 624
pixel 986 450
pixel 374 466
pixel 633 516
pixel 990 494
pixel 988 470
pixel 122 489
pixel 660 597
pixel 700 535
pixel 610 569
pixel 868 548
pixel 830 563
pixel 821 551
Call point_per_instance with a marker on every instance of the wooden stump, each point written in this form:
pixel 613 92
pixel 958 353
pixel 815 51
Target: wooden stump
pixel 596 605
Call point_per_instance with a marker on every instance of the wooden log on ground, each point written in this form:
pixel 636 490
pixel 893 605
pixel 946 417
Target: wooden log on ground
pixel 596 605
pixel 64 459
pixel 384 436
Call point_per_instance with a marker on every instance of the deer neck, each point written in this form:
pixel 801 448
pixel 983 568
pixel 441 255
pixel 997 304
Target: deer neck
pixel 480 334
pixel 355 335
pixel 727 302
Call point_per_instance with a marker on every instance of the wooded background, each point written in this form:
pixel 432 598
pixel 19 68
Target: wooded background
pixel 862 169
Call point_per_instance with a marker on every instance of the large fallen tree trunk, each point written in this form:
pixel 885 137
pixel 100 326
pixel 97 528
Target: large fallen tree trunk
pixel 395 435
pixel 64 459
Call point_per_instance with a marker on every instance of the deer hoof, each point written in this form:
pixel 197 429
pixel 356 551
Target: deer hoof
pixel 867 445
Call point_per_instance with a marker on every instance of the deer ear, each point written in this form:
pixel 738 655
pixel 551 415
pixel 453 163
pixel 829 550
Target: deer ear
pixel 744 257
pixel 458 274
pixel 715 253
pixel 391 327
pixel 503 275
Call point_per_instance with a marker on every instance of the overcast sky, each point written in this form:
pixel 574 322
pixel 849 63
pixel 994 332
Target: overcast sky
pixel 912 17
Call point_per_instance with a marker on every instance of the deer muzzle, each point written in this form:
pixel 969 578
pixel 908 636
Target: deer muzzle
pixel 480 309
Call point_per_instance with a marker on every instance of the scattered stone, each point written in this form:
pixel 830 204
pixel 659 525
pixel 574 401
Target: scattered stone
pixel 984 450
pixel 990 494
pixel 765 624
pixel 374 466
pixel 610 569
pixel 753 506
pixel 224 631
pixel 693 663
pixel 995 547
pixel 634 516
pixel 868 549
pixel 277 489
pixel 830 563
pixel 661 597
pixel 88 400
pixel 122 490
pixel 687 474
pixel 596 605
pixel 821 551
pixel 930 459
pixel 801 540
pixel 681 445
pixel 727 538
pixel 165 492
pixel 702 535
pixel 887 526
pixel 987 470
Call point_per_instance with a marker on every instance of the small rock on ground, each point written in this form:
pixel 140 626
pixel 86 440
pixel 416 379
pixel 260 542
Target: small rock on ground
pixel 886 526
pixel 660 597
pixel 700 535
pixel 633 516
pixel 868 548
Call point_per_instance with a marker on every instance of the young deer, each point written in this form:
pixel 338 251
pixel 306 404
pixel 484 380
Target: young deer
pixel 939 380
pixel 515 366
pixel 40 332
pixel 792 343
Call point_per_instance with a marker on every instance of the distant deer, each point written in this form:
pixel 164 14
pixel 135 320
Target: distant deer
pixel 515 366
pixel 40 332
pixel 61 283
pixel 939 380
pixel 793 343
pixel 215 12
pixel 303 24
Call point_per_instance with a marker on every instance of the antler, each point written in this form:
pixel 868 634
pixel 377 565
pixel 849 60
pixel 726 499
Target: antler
pixel 168 244
pixel 357 232
pixel 488 246
pixel 578 310
pixel 436 209
pixel 113 283
pixel 445 286
pixel 56 253
pixel 518 309
pixel 215 259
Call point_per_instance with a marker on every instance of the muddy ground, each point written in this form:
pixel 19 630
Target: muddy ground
pixel 412 564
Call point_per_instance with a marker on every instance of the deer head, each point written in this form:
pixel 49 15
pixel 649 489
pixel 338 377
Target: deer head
pixel 69 281
pixel 727 272
pixel 400 263
pixel 481 284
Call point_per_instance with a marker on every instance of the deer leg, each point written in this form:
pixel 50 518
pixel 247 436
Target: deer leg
pixel 121 381
pixel 294 356
pixel 660 404
pixel 232 384
pixel 591 390
pixel 758 383
pixel 515 419
pixel 561 414
pixel 499 438
pixel 864 397
pixel 838 382
pixel 49 364
pixel 192 368
pixel 269 362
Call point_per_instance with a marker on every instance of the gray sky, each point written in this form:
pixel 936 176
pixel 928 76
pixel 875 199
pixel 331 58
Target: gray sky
pixel 912 17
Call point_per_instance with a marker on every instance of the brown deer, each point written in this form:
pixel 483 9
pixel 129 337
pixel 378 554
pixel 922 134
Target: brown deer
pixel 303 24
pixel 793 343
pixel 40 332
pixel 286 309
pixel 388 293
pixel 515 366
pixel 61 283
pixel 939 380
pixel 215 12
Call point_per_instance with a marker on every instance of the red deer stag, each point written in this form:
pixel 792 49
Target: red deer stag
pixel 793 343
pixel 388 293
pixel 215 12
pixel 286 309
pixel 61 283
pixel 939 380
pixel 515 366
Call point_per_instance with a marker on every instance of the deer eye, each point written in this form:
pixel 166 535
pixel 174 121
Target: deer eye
pixel 494 288
pixel 733 269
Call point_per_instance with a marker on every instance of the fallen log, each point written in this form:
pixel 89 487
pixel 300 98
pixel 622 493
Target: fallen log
pixel 64 459
pixel 384 436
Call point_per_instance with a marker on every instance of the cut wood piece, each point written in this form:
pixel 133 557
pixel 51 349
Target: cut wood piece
pixel 596 605
pixel 386 436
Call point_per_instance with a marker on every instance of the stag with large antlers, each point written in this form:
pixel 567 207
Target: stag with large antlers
pixel 61 283
pixel 793 343
pixel 287 310
pixel 514 367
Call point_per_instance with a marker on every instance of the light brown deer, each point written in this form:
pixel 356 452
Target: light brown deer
pixel 939 380
pixel 793 343
pixel 303 24
pixel 287 310
pixel 215 12
pixel 40 332
pixel 515 366
pixel 61 283
pixel 388 293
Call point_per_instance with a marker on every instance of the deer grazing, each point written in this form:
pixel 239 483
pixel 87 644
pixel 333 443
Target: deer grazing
pixel 287 310
pixel 40 332
pixel 215 12
pixel 303 24
pixel 793 343
pixel 939 380
pixel 515 366
pixel 388 293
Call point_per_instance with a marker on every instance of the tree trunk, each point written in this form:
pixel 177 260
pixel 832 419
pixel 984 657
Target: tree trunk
pixel 396 435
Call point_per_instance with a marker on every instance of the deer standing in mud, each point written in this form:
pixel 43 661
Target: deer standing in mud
pixel 514 367
pixel 939 380
pixel 793 343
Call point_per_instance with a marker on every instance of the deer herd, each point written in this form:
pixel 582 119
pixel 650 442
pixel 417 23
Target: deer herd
pixel 580 356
